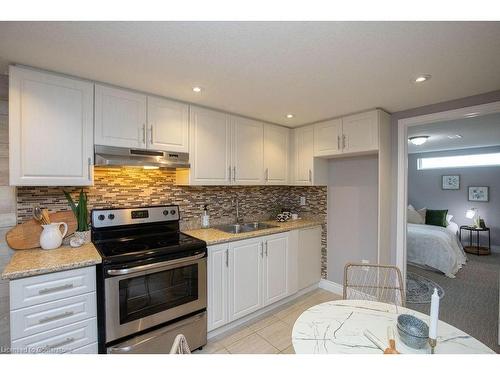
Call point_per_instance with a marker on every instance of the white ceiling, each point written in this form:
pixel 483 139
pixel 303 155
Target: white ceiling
pixel 265 70
pixel 481 131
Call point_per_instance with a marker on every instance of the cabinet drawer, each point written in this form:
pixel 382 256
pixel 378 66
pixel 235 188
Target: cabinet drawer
pixel 39 318
pixel 59 340
pixel 34 290
pixel 87 349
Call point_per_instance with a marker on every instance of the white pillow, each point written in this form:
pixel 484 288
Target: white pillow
pixel 449 218
pixel 415 217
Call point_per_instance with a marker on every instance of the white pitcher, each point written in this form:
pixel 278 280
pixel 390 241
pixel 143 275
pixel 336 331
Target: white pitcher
pixel 51 237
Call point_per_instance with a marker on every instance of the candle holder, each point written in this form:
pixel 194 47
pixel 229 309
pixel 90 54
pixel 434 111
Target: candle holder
pixel 432 343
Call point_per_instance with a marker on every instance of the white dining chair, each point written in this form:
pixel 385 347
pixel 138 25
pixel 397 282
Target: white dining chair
pixel 180 345
pixel 374 282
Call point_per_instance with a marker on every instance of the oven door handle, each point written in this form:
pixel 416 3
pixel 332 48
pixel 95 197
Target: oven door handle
pixel 146 267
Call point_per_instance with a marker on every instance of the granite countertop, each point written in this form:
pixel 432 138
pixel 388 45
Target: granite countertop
pixel 214 236
pixel 25 263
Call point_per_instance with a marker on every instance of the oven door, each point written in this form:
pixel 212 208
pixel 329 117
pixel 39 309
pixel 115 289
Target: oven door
pixel 145 296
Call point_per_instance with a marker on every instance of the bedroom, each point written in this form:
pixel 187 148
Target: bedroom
pixel 453 231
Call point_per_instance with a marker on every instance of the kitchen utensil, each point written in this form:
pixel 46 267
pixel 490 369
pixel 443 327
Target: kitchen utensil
pixel 27 235
pixel 46 217
pixel 374 339
pixel 413 331
pixel 51 237
pixel 37 215
pixel 392 342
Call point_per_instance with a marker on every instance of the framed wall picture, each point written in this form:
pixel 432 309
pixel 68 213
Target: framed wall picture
pixel 451 182
pixel 478 193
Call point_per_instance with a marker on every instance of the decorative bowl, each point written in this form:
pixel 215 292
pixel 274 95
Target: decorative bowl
pixel 413 331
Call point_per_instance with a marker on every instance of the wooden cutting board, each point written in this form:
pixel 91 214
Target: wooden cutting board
pixel 27 235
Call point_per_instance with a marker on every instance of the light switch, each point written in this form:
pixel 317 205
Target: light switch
pixel 302 201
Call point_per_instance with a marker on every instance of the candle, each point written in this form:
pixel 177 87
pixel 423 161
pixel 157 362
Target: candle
pixel 434 315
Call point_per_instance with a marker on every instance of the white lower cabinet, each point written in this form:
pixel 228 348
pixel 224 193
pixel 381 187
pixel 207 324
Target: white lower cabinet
pixel 245 276
pixel 54 313
pixel 309 256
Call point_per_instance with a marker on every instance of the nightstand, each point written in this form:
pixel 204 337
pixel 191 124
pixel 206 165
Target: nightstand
pixel 476 249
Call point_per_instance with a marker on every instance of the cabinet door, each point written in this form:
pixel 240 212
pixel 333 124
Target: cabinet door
pixel 360 132
pixel 218 266
pixel 309 257
pixel 328 138
pixel 304 153
pixel 275 268
pixel 275 154
pixel 210 147
pixel 120 117
pixel 245 277
pixel 168 125
pixel 50 129
pixel 248 151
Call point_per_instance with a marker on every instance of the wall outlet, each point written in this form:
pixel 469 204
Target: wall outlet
pixel 302 201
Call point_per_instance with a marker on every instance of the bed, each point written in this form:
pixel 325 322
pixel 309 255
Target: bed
pixel 435 247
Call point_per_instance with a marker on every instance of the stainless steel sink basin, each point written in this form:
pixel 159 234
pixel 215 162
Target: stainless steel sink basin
pixel 243 228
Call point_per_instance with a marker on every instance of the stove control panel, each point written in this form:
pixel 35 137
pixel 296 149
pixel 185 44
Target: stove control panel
pixel 128 216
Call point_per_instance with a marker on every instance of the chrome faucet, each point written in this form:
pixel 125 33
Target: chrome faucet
pixel 237 206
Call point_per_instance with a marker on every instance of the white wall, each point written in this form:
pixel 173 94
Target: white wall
pixel 352 213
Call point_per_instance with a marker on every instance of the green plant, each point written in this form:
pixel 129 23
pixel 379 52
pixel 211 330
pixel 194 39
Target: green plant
pixel 80 210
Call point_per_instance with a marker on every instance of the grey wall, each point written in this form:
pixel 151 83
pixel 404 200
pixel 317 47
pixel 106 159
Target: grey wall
pixel 489 97
pixel 352 213
pixel 424 189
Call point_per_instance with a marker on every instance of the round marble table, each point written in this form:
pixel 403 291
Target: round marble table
pixel 337 327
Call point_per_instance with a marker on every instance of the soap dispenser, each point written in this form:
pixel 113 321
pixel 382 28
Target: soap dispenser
pixel 205 218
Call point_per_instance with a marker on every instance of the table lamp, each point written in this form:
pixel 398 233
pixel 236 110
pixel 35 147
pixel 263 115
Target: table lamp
pixel 473 214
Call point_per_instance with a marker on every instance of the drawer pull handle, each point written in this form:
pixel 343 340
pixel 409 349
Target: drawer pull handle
pixel 58 344
pixel 56 317
pixel 55 289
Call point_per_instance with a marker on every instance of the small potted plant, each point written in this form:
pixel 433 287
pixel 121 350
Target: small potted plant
pixel 81 214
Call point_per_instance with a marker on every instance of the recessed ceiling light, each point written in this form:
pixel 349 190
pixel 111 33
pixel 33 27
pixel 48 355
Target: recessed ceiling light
pixel 455 136
pixel 472 114
pixel 197 89
pixel 422 78
pixel 290 115
pixel 419 139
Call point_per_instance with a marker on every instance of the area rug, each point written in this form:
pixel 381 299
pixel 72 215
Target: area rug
pixel 419 289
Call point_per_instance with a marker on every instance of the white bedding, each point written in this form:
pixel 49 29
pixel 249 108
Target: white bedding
pixel 436 247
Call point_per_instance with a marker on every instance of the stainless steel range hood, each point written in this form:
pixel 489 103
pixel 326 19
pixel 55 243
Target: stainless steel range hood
pixel 129 157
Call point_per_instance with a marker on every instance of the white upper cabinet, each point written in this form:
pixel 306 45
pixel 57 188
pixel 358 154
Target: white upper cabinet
pixel 210 149
pixel 276 144
pixel 248 151
pixel 168 125
pixel 50 129
pixel 360 132
pixel 328 138
pixel 304 153
pixel 120 117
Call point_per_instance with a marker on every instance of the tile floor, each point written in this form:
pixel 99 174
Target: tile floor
pixel 267 334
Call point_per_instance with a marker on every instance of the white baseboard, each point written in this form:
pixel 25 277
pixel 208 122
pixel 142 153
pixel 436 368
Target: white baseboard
pixel 331 286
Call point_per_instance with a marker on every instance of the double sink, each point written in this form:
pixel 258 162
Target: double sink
pixel 243 228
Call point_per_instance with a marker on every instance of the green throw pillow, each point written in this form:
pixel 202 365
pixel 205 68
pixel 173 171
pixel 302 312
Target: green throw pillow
pixel 436 217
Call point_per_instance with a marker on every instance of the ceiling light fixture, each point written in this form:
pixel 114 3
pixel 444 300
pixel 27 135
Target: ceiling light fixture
pixel 419 139
pixel 422 78
pixel 473 114
pixel 197 89
pixel 290 115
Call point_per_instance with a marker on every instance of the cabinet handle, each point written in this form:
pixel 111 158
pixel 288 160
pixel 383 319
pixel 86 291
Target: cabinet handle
pixel 56 317
pixel 227 257
pixel 266 247
pixel 55 289
pixel 58 344
pixel 229 173
pixel 144 133
pixel 338 142
pixel 261 250
pixel 310 176
pixel 151 135
pixel 267 174
pixel 343 141
pixel 89 166
pixel 234 173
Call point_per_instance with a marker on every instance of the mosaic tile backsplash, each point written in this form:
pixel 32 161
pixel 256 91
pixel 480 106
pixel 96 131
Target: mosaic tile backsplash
pixel 133 187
